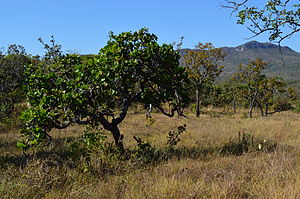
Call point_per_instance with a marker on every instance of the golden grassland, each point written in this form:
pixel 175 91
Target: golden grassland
pixel 197 167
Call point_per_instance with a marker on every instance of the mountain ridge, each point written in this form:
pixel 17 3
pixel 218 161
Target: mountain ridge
pixel 255 44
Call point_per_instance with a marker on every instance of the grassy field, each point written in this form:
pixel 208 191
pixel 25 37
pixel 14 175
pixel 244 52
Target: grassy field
pixel 219 156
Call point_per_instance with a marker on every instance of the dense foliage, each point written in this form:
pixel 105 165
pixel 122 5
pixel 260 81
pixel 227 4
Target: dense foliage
pixel 12 65
pixel 131 68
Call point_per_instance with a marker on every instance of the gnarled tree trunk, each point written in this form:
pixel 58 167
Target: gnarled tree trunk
pixel 118 137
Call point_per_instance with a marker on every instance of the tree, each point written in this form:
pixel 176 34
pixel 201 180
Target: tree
pixel 224 94
pixel 279 18
pixel 262 91
pixel 250 78
pixel 274 94
pixel 12 65
pixel 231 92
pixel 131 68
pixel 203 68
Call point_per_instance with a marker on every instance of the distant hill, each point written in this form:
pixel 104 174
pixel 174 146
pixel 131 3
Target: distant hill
pixel 284 62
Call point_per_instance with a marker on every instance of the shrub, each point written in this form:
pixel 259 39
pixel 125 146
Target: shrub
pixel 173 136
pixel 144 153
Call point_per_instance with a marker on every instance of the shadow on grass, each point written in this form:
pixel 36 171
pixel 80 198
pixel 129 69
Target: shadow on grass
pixel 57 149
pixel 108 160
pixel 8 145
pixel 244 143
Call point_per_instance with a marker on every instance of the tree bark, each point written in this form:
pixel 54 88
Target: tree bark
pixel 251 108
pixel 267 109
pixel 118 137
pixel 261 110
pixel 198 102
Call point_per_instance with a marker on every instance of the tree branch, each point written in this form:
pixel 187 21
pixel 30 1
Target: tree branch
pixel 126 105
pixel 233 5
pixel 165 113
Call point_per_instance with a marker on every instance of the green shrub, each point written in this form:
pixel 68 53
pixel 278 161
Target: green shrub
pixel 173 136
pixel 93 141
pixel 144 152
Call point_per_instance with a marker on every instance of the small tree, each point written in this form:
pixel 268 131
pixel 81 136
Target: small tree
pixel 12 65
pixel 262 91
pixel 231 92
pixel 274 94
pixel 203 68
pixel 131 68
pixel 250 78
pixel 224 94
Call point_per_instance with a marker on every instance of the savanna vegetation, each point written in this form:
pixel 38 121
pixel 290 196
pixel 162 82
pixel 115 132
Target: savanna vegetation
pixel 68 151
pixel 126 123
pixel 215 156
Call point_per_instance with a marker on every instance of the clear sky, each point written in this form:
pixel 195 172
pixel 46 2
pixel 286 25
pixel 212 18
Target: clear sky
pixel 82 26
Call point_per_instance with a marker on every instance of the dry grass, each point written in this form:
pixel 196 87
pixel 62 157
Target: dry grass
pixel 195 168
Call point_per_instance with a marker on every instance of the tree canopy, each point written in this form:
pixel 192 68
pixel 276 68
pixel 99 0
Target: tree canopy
pixel 202 65
pixel 12 65
pixel 98 90
pixel 261 90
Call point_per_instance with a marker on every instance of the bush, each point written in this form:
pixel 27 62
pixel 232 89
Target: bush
pixel 93 141
pixel 173 136
pixel 144 153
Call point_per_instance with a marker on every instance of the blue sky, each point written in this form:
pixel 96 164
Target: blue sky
pixel 82 26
